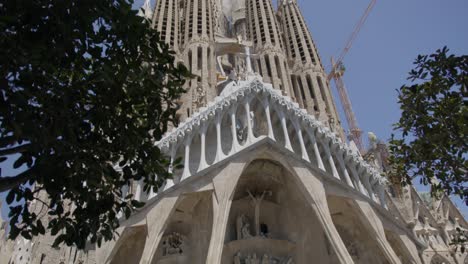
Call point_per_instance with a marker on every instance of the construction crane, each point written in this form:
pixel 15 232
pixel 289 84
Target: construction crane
pixel 337 72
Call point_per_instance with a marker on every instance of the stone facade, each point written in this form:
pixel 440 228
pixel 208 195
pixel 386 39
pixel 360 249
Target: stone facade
pixel 267 176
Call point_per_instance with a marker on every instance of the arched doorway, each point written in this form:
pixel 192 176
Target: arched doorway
pixel 270 220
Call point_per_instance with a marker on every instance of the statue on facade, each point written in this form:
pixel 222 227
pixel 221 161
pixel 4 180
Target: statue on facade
pixel 243 227
pixel 237 258
pixel 200 96
pixel 172 244
pixel 265 259
pixel 256 201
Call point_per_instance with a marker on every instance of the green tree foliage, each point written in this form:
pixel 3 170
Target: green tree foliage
pixel 87 87
pixel 432 141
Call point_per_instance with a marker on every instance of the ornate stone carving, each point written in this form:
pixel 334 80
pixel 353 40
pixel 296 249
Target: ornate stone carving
pixel 172 244
pixel 200 97
pixel 243 227
pixel 240 95
pixel 265 259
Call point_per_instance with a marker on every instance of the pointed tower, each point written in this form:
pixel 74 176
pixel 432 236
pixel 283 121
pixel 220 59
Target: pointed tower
pixel 264 32
pixel 197 28
pixel 310 86
pixel 166 21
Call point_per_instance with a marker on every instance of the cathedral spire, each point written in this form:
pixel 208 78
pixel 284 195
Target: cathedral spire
pixel 264 32
pixel 146 10
pixel 310 87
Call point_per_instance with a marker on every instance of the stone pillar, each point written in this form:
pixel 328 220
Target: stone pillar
pixel 411 248
pixel 374 226
pixel 287 141
pixel 314 192
pixel 156 221
pixel 224 186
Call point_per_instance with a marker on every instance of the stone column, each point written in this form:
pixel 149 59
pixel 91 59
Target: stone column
pixel 284 125
pixel 411 249
pixel 219 149
pixel 224 186
pixel 314 192
pixel 374 226
pixel 203 163
pixel 156 221
pixel 266 105
pixel 314 143
pixel 186 174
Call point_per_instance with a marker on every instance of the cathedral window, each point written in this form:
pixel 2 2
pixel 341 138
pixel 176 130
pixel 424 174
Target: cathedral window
pixel 301 86
pixel 268 65
pixel 200 58
pixel 190 60
pixel 322 91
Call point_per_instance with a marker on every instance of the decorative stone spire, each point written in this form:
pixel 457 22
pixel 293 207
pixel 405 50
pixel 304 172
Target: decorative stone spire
pixel 166 21
pixel 198 21
pixel 310 86
pixel 264 32
pixel 145 10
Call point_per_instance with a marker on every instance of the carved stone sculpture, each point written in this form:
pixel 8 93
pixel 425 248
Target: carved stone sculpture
pixel 200 96
pixel 243 227
pixel 265 259
pixel 172 244
pixel 246 231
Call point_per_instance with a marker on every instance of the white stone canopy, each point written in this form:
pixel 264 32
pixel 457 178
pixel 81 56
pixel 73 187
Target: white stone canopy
pixel 255 111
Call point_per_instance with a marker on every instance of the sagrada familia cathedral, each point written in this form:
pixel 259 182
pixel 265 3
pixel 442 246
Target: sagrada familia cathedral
pixel 268 175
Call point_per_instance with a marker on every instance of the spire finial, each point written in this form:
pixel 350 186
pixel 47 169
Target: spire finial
pixel 146 10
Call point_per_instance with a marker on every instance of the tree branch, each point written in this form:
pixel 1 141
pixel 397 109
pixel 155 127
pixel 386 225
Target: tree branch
pixel 15 150
pixel 8 183
pixel 7 140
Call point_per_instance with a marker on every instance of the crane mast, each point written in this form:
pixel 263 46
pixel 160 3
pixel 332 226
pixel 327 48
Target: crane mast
pixel 337 74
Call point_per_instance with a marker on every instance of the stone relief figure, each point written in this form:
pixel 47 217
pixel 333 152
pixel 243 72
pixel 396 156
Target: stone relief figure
pixel 237 258
pixel 252 259
pixel 246 231
pixel 256 201
pixel 265 259
pixel 200 96
pixel 172 244
pixel 243 227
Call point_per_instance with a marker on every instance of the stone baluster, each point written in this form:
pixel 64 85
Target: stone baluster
pixel 152 194
pixel 139 190
pixel 365 178
pixel 416 213
pixel 203 129
pixel 125 189
pixel 375 185
pixel 186 173
pixel 298 129
pixel 357 180
pixel 266 106
pixel 342 165
pixel 329 157
pixel 170 182
pixel 235 142
pixel 313 141
pixel 250 135
pixel 381 193
pixel 219 147
pixel 285 130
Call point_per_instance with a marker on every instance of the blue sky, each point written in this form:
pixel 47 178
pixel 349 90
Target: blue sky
pixel 382 55
pixel 378 63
